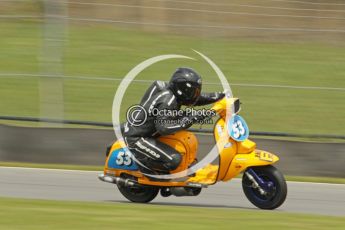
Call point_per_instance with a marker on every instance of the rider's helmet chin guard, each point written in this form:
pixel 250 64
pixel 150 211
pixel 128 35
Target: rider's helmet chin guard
pixel 186 85
pixel 120 92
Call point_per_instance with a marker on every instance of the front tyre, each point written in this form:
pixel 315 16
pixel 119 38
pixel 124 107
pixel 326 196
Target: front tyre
pixel 276 194
pixel 139 193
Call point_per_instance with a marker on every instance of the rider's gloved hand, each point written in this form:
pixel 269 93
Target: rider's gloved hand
pixel 217 95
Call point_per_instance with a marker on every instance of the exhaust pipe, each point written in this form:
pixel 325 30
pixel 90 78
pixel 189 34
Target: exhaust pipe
pixel 117 180
pixel 184 191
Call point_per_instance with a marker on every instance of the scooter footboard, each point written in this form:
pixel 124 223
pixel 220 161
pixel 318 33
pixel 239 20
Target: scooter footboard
pixel 242 161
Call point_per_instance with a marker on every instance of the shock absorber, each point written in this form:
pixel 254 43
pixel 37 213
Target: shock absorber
pixel 255 184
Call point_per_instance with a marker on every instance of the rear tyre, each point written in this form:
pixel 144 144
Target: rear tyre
pixel 139 193
pixel 277 194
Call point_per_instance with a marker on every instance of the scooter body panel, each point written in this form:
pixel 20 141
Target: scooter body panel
pixel 244 160
pixel 119 160
pixel 234 156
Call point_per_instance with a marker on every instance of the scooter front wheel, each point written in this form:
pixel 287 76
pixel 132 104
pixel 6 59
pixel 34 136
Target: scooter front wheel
pixel 267 198
pixel 139 193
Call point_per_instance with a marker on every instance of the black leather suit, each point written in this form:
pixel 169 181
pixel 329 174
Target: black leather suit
pixel 142 140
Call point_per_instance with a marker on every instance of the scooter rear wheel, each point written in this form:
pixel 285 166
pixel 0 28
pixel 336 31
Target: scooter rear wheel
pixel 139 193
pixel 275 197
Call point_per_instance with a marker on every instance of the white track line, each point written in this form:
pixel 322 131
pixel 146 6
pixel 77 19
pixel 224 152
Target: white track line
pixel 249 6
pixel 291 87
pixel 312 3
pixel 241 5
pixel 196 26
pixel 151 80
pixel 95 172
pixel 204 11
pixel 192 26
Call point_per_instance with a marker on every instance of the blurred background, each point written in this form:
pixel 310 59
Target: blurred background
pixel 63 60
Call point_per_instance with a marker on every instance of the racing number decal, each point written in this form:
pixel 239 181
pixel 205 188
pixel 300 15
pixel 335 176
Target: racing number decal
pixel 124 158
pixel 238 129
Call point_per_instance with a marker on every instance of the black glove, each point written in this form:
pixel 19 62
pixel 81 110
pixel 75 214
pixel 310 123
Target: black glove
pixel 217 95
pixel 209 98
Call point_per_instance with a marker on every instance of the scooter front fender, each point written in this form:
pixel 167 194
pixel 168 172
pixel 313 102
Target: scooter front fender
pixel 255 158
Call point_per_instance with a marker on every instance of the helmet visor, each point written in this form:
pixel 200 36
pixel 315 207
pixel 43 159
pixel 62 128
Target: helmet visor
pixel 190 92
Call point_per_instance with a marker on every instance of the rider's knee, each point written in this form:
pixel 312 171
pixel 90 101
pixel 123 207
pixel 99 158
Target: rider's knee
pixel 175 162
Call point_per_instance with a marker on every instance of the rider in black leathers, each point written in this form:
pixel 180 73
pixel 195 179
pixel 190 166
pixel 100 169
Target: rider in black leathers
pixel 184 88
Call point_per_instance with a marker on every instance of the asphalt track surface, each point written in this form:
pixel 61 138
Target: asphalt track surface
pixel 314 198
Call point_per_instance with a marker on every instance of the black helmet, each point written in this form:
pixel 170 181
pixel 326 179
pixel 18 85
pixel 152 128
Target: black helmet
pixel 186 85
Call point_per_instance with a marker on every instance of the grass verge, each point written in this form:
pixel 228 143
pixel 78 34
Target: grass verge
pixel 41 214
pixel 112 51
pixel 332 180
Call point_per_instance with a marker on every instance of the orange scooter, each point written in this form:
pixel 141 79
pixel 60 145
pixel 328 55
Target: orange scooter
pixel 262 183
